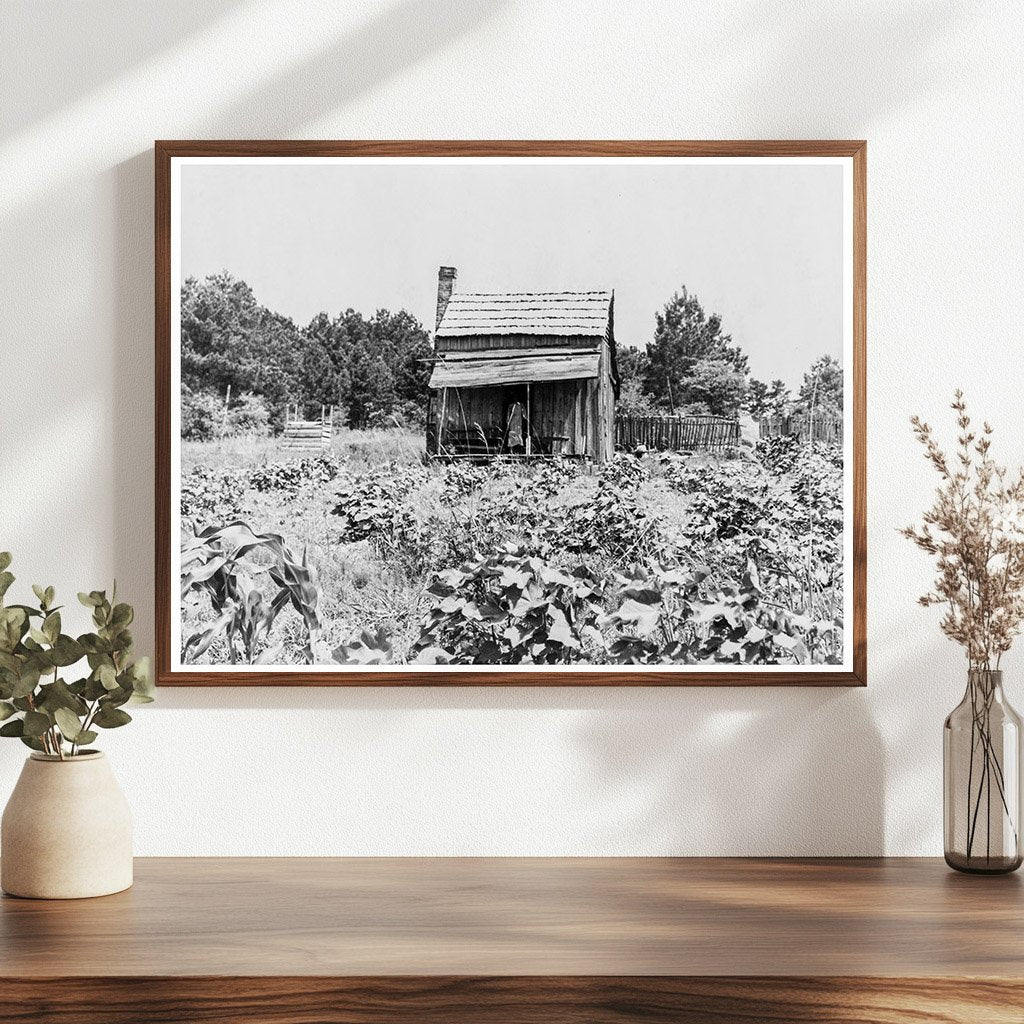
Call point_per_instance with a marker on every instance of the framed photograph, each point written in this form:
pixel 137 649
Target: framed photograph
pixel 510 413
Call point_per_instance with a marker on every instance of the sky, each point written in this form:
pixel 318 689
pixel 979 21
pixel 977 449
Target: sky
pixel 760 244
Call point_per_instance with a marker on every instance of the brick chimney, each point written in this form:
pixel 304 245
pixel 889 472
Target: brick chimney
pixel 445 284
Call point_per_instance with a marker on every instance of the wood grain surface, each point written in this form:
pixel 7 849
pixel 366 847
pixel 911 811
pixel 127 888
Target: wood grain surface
pixel 530 916
pixel 166 150
pixel 285 941
pixel 512 1000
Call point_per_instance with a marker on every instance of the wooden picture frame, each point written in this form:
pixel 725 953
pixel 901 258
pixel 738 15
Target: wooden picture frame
pixel 852 672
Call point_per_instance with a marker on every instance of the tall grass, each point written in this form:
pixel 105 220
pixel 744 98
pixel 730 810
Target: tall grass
pixel 358 448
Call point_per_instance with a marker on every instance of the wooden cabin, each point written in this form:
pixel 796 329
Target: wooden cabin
pixel 522 374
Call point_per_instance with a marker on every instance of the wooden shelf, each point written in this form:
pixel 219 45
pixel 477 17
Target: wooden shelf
pixel 283 941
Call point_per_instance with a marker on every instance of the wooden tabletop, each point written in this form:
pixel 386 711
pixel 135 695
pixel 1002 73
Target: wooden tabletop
pixel 511 917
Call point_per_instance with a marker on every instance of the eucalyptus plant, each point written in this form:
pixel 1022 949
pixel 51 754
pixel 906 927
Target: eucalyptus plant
pixel 37 703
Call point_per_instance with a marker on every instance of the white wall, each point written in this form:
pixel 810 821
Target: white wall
pixel 936 88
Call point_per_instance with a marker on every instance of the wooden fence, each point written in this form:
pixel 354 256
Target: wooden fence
pixel 307 435
pixel 823 426
pixel 677 433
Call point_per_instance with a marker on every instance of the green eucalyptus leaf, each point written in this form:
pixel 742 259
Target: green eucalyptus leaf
pixel 5 560
pixel 94 689
pixel 51 626
pixel 36 723
pixel 122 616
pixel 50 595
pixel 6 710
pixel 38 635
pixel 69 724
pixel 59 695
pixel 86 736
pixel 110 717
pixel 107 676
pixel 13 624
pixel 31 741
pixel 40 593
pixel 27 681
pixel 115 698
pixel 6 579
pixel 66 651
pixel 89 600
pixel 16 727
pixel 94 645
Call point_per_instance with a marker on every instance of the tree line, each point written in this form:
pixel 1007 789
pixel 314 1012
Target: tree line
pixel 375 370
pixel 693 367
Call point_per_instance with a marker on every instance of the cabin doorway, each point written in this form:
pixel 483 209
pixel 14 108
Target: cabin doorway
pixel 515 419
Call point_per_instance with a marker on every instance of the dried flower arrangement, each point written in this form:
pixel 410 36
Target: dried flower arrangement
pixel 975 529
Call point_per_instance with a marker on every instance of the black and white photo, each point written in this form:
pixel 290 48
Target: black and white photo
pixel 479 414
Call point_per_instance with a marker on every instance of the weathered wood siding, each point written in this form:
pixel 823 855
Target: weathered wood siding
pixel 479 342
pixel 582 412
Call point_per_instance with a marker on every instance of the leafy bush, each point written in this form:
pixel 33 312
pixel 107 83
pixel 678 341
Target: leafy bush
pixel 462 479
pixel 616 524
pixel 665 617
pixel 364 648
pixel 201 414
pixel 778 455
pixel 220 562
pixel 728 500
pixel 627 471
pixel 513 608
pixel 371 506
pixel 211 496
pixel 790 524
pixel 553 476
pixel 248 414
pixel 510 608
pixel 290 477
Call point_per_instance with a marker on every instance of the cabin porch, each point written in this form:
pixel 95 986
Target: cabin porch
pixel 519 420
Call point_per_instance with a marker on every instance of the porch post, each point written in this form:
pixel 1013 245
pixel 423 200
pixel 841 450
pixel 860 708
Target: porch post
pixel 440 422
pixel 529 430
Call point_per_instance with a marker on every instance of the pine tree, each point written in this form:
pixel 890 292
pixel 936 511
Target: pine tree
pixel 685 336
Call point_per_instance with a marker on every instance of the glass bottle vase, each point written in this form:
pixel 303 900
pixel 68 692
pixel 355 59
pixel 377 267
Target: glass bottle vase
pixel 981 770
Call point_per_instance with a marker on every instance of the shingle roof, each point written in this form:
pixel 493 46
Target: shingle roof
pixel 542 313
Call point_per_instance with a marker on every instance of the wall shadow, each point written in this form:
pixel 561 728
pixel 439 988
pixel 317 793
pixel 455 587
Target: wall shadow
pixel 117 35
pixel 687 771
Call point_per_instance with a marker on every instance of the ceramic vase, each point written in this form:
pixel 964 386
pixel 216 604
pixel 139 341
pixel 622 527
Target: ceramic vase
pixel 66 831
